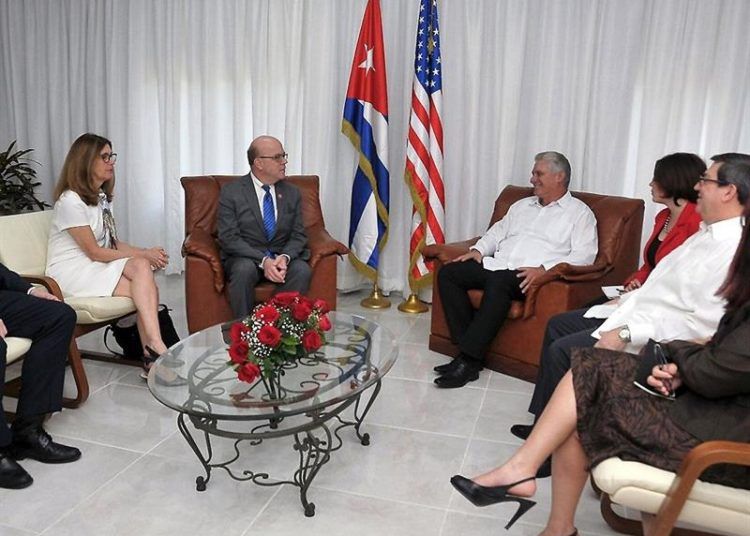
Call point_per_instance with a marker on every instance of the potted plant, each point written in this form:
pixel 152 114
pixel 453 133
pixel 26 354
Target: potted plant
pixel 17 182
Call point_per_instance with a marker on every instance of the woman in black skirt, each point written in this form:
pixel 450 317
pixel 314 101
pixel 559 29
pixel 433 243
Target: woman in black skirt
pixel 597 412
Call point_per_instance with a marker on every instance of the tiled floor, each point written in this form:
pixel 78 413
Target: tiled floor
pixel 137 475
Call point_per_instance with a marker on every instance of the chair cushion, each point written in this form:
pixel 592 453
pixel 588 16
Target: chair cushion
pixel 17 347
pixel 642 487
pixel 100 309
pixel 23 241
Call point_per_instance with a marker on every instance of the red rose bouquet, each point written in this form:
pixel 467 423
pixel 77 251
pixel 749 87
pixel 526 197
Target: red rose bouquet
pixel 276 332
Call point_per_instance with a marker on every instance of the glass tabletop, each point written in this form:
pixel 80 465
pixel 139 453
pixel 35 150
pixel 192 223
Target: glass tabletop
pixel 194 376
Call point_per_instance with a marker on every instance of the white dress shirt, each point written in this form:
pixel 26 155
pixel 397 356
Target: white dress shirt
pixel 261 193
pixel 532 234
pixel 678 300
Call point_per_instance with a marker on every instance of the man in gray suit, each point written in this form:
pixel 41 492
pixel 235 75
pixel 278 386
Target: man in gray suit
pixel 260 228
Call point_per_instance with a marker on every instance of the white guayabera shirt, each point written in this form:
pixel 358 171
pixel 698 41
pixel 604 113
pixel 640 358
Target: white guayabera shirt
pixel 678 300
pixel 531 234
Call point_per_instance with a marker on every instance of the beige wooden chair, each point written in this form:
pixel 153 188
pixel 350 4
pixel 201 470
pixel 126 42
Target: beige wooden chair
pixel 677 497
pixel 23 249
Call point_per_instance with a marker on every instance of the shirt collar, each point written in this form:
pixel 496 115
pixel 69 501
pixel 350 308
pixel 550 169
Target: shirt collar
pixel 724 229
pixel 563 201
pixel 259 185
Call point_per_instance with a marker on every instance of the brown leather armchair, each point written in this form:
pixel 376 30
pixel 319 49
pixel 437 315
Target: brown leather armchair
pixel 205 290
pixel 516 348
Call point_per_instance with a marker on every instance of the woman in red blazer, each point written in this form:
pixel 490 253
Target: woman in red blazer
pixel 673 185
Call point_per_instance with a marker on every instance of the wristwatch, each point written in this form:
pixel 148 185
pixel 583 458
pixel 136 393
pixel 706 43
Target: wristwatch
pixel 624 334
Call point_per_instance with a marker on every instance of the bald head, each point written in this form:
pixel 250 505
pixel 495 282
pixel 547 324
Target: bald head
pixel 267 159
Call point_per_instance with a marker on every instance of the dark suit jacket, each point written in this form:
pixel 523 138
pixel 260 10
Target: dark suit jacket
pixel 715 403
pixel 10 280
pixel 240 222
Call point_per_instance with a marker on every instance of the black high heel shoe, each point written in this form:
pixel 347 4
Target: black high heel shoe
pixel 484 496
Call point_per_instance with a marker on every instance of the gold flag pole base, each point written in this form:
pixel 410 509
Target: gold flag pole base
pixel 376 300
pixel 413 305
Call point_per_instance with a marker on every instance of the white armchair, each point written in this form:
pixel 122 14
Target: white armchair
pixel 23 249
pixel 677 497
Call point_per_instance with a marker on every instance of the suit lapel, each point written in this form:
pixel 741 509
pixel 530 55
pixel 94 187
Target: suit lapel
pixel 252 199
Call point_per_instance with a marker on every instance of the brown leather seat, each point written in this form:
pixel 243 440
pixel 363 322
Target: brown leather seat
pixel 205 290
pixel 515 350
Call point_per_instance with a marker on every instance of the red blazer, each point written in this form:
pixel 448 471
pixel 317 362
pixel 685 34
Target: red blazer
pixel 687 224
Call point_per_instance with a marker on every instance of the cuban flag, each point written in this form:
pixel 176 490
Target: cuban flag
pixel 365 123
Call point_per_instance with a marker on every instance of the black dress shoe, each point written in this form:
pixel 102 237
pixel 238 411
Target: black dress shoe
pixel 31 441
pixel 12 475
pixel 447 367
pixel 521 431
pixel 462 374
pixel 484 496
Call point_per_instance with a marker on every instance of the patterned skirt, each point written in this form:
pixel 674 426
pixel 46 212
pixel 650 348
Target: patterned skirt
pixel 616 418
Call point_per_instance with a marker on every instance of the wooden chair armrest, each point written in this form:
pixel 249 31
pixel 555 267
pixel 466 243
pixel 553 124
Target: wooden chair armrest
pixel 698 460
pixel 199 243
pixel 47 282
pixel 447 252
pixel 322 245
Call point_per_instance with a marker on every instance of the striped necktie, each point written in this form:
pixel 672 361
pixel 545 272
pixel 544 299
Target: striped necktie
pixel 269 219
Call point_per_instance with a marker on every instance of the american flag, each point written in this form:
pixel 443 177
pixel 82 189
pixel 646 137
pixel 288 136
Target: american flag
pixel 424 147
pixel 365 123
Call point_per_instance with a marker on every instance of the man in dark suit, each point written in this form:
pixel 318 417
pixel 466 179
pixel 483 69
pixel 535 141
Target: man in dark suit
pixel 35 314
pixel 260 228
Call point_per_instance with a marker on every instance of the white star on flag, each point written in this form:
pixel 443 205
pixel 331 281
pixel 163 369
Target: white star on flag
pixel 368 63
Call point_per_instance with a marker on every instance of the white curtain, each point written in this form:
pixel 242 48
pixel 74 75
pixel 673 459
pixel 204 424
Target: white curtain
pixel 181 87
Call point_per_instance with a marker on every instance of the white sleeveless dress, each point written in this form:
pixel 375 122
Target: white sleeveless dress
pixel 77 275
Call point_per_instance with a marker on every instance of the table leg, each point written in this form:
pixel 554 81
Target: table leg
pixel 200 482
pixel 314 452
pixel 364 439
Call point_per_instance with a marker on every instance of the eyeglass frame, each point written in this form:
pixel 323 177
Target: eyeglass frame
pixel 277 157
pixel 718 182
pixel 109 158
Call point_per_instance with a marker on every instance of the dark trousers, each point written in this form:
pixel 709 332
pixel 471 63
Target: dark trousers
pixel 563 333
pixel 472 330
pixel 244 275
pixel 49 325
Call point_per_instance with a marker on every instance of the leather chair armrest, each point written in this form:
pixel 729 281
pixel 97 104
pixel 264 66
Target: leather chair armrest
pixel 47 282
pixel 447 252
pixel 322 245
pixel 200 243
pixel 566 272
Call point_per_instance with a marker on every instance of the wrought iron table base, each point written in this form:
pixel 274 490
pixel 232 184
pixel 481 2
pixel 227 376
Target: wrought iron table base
pixel 314 442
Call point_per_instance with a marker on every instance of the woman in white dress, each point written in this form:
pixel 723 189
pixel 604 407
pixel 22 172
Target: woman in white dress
pixel 85 255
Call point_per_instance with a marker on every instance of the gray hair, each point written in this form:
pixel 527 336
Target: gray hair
pixel 735 169
pixel 557 163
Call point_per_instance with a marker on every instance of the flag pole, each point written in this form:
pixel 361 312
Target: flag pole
pixel 413 305
pixel 376 300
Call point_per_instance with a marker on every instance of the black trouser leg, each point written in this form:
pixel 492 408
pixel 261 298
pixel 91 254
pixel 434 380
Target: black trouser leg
pixel 474 331
pixel 50 326
pixel 563 333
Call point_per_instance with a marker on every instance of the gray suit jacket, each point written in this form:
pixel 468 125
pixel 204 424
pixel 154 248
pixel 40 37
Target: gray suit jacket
pixel 240 222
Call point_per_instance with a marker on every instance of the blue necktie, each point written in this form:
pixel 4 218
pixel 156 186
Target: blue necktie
pixel 269 219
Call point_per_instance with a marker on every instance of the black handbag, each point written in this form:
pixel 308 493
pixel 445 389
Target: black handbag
pixel 125 332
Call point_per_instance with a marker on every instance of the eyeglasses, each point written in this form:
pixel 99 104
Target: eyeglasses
pixel 281 157
pixel 109 158
pixel 704 180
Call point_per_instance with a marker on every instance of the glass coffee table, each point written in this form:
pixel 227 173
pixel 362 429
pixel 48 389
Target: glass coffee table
pixel 193 378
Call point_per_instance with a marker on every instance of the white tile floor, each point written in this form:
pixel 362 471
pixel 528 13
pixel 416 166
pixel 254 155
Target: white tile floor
pixel 137 474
